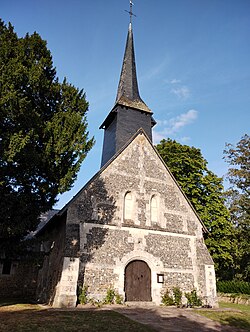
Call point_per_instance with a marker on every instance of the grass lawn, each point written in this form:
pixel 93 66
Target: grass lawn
pixel 31 317
pixel 24 317
pixel 238 316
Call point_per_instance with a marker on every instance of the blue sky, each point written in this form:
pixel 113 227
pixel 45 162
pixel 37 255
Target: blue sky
pixel 193 65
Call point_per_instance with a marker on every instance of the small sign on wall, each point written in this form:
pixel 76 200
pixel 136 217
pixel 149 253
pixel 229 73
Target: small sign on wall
pixel 160 278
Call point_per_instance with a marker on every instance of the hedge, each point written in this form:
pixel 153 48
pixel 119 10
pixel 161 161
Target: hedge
pixel 229 286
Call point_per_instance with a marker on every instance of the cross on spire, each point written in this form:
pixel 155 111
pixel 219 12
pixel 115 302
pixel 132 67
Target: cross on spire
pixel 130 11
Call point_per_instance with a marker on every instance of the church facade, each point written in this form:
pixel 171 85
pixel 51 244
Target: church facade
pixel 130 228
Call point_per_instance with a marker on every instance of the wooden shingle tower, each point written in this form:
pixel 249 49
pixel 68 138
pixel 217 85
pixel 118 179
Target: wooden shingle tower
pixel 129 113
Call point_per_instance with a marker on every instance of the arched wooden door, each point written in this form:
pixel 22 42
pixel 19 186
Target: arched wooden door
pixel 137 281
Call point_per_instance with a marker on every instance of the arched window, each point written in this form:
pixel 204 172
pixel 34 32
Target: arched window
pixel 128 205
pixel 153 209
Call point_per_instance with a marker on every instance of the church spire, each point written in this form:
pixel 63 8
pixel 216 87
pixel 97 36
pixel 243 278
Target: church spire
pixel 128 91
pixel 129 113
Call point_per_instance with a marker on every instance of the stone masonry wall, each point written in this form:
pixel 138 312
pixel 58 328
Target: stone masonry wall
pixel 50 272
pixel 141 172
pixel 21 282
pixel 99 280
pixel 172 243
pixel 185 281
pixel 106 250
pixel 174 252
pixel 105 245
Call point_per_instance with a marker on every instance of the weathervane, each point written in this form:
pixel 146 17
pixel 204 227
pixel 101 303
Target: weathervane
pixel 130 11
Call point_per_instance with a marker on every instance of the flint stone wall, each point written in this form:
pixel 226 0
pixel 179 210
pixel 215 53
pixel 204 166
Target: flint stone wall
pixel 106 250
pixel 106 241
pixel 185 281
pixel 141 172
pixel 99 280
pixel 21 282
pixel 174 252
pixel 50 272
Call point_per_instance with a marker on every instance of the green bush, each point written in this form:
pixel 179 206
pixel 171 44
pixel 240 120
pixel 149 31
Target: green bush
pixel 119 299
pixel 95 302
pixel 233 286
pixel 166 299
pixel 192 299
pixel 83 296
pixel 113 297
pixel 177 296
pixel 110 296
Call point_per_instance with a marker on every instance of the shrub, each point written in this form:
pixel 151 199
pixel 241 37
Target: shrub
pixel 166 299
pixel 177 296
pixel 193 299
pixel 113 297
pixel 110 296
pixel 118 299
pixel 94 302
pixel 83 296
pixel 233 286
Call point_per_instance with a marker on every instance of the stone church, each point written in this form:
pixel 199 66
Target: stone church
pixel 130 228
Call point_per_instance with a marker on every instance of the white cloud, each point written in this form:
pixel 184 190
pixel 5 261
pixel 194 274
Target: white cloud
pixel 174 125
pixel 184 139
pixel 175 81
pixel 182 92
pixel 162 122
pixel 157 136
pixel 154 71
pixel 182 120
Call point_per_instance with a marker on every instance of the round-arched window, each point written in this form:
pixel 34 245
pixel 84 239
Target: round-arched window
pixel 128 205
pixel 153 209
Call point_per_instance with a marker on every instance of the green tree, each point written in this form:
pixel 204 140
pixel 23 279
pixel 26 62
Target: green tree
pixel 238 196
pixel 43 133
pixel 205 191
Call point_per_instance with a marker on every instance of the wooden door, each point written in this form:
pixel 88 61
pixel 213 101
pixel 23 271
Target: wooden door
pixel 137 281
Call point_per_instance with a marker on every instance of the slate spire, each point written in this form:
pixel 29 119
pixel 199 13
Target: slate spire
pixel 128 91
pixel 129 113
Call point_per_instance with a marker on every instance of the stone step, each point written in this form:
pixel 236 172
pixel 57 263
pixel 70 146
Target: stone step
pixel 140 304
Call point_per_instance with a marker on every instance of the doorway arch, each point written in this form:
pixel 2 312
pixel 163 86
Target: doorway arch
pixel 137 281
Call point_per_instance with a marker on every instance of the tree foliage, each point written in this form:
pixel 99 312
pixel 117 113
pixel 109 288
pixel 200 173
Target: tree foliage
pixel 205 191
pixel 43 132
pixel 238 196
